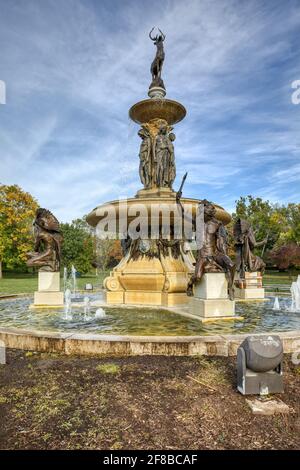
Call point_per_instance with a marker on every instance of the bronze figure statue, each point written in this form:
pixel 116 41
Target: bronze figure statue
pixel 156 66
pixel 170 168
pixel 212 257
pixel 244 244
pixel 48 241
pixel 164 158
pixel 145 157
pixel 157 159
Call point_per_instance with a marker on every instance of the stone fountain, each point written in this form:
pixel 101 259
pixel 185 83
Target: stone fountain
pixel 157 262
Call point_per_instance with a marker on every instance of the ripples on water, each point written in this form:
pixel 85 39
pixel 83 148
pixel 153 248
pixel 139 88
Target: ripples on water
pixel 258 317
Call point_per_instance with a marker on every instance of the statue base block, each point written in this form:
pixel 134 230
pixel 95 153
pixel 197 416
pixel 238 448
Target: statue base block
pixel 44 299
pixel 212 308
pixel 164 299
pixel 49 281
pixel 48 294
pixel 211 286
pixel 211 298
pixel 250 294
pixel 114 297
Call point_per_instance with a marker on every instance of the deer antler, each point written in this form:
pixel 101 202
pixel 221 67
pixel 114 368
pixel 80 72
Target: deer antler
pixel 163 36
pixel 152 39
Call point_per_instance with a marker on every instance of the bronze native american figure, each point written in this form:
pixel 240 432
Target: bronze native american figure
pixel 156 66
pixel 212 257
pixel 48 241
pixel 244 244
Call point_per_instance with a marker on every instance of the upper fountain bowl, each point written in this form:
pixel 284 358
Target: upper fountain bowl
pixel 145 110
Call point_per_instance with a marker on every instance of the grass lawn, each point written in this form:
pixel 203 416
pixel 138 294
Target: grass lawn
pixel 18 283
pixel 15 283
pixel 52 401
pixel 275 277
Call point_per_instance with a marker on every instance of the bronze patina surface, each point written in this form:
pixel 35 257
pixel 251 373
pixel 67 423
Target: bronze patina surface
pixel 245 243
pixel 145 110
pixel 156 66
pixel 212 257
pixel 48 241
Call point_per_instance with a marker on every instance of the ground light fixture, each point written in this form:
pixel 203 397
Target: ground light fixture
pixel 259 365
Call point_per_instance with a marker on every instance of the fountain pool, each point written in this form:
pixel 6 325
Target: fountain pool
pixel 87 317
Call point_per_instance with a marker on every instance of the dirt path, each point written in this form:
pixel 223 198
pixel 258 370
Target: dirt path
pixel 61 402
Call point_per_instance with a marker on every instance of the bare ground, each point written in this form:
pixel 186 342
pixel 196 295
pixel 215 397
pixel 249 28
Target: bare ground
pixel 51 401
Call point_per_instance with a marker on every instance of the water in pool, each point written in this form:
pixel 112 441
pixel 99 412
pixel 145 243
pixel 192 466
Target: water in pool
pixel 257 317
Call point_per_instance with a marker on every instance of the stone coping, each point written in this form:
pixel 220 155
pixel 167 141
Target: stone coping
pixel 126 345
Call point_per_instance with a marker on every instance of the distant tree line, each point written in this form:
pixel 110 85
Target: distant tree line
pixel 278 224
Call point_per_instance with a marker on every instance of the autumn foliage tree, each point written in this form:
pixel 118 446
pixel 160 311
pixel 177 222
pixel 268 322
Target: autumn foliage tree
pixel 17 210
pixel 279 224
pixel 108 253
pixel 286 256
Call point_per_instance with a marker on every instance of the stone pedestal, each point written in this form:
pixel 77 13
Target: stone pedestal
pixel 250 288
pixel 210 299
pixel 48 294
pixel 250 294
pixel 160 281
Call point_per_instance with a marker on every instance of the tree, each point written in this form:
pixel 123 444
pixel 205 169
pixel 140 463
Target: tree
pixel 108 253
pixel 17 210
pixel 286 256
pixel 292 232
pixel 116 253
pixel 78 245
pixel 269 220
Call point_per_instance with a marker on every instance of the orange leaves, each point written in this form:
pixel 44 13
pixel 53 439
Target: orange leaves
pixel 17 209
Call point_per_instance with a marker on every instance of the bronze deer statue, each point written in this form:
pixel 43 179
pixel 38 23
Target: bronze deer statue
pixel 156 66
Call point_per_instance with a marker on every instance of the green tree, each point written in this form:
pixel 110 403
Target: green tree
pixel 292 233
pixel 78 245
pixel 268 220
pixel 17 210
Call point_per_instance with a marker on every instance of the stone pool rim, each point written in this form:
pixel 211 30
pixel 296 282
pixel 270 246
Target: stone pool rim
pixel 127 345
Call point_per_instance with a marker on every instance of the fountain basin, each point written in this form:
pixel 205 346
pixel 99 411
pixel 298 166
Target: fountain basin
pixel 258 317
pixel 145 110
pixel 124 210
pixel 138 330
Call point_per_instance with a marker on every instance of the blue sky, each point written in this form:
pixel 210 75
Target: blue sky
pixel 73 68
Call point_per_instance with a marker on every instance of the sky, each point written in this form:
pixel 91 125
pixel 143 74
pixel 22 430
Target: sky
pixel 73 68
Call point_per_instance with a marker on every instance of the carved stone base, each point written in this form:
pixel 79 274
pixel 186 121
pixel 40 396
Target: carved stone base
pixel 143 297
pixel 49 281
pixel 164 193
pixel 251 287
pixel 150 280
pixel 212 308
pixel 211 297
pixel 251 293
pixel 212 286
pixel 114 297
pixel 44 299
pixel 251 280
pixel 48 293
pixel 171 300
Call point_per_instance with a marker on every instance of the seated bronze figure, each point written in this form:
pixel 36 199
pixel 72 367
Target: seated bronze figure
pixel 212 257
pixel 48 241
